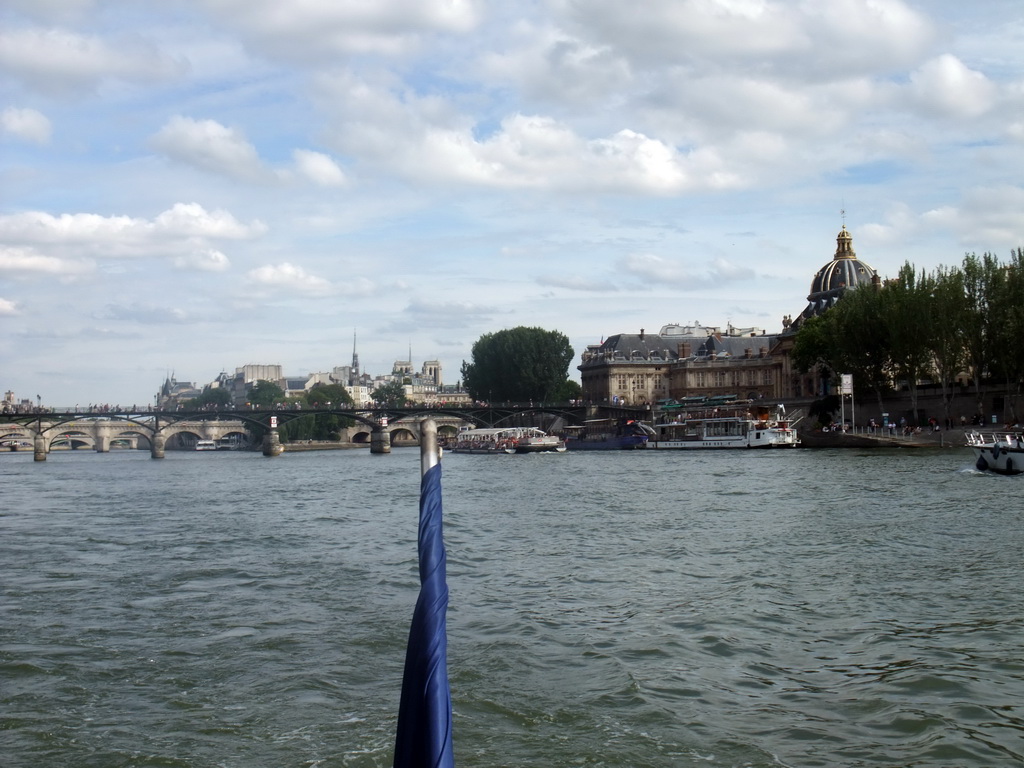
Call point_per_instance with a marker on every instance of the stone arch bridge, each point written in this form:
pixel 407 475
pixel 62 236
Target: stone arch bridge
pixel 158 430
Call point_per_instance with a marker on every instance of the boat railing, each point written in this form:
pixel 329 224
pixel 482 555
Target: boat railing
pixel 990 438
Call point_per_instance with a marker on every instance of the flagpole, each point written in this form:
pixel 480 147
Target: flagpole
pixel 424 734
pixel 430 454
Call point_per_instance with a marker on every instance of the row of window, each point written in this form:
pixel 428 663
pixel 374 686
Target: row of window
pixel 764 377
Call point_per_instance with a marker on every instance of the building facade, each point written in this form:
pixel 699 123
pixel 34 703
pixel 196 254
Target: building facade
pixel 681 361
pixel 686 361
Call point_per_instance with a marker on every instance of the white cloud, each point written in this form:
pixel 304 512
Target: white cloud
pixel 847 36
pixel 651 267
pixel 192 220
pixel 548 65
pixel 648 266
pixel 124 234
pixel 145 314
pixel 946 87
pixel 318 168
pixel 584 283
pixel 986 218
pixel 900 222
pixel 8 308
pixel 209 260
pixel 52 10
pixel 27 124
pixel 422 139
pixel 61 62
pixel 290 279
pixel 183 233
pixel 23 261
pixel 210 146
pixel 601 148
pixel 461 310
pixel 312 30
pixel 723 271
pixel 438 315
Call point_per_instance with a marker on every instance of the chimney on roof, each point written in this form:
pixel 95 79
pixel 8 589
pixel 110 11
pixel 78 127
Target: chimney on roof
pixel 641 334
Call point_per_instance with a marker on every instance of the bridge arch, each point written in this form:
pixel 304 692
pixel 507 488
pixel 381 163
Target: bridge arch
pixel 71 439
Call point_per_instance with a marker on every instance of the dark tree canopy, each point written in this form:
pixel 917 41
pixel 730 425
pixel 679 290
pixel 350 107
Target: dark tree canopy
pixel 265 393
pixel 335 394
pixel 213 396
pixel 518 365
pixel 391 394
pixel 926 327
pixel 568 390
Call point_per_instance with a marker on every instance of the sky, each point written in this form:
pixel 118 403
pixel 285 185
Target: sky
pixel 190 186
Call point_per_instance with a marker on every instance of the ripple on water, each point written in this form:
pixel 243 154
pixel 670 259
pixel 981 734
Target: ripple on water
pixel 804 608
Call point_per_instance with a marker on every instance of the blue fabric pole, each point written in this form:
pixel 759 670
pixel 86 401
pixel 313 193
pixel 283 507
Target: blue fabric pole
pixel 424 738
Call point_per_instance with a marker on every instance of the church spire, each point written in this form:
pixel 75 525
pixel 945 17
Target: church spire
pixel 355 359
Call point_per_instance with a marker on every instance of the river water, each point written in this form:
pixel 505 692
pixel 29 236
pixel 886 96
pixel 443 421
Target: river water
pixel 776 608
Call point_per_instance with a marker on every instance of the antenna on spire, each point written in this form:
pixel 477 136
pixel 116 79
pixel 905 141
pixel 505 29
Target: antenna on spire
pixel 842 213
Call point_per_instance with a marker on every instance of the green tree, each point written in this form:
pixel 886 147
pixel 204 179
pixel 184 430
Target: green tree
pixel 390 395
pixel 327 426
pixel 851 337
pixel 1006 308
pixel 265 394
pixel 948 347
pixel 866 341
pixel 569 390
pixel 907 307
pixel 980 277
pixel 212 396
pixel 334 394
pixel 518 365
pixel 813 346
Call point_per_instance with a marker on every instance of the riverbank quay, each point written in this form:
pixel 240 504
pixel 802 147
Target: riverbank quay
pixel 862 438
pixel 322 445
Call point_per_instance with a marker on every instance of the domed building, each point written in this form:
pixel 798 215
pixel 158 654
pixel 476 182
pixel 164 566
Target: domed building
pixel 684 361
pixel 845 271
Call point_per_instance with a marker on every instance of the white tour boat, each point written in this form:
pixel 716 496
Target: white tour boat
pixel 1001 452
pixel 735 426
pixel 206 445
pixel 506 440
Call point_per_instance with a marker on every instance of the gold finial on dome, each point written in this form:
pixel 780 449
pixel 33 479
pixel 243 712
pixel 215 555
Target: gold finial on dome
pixel 844 245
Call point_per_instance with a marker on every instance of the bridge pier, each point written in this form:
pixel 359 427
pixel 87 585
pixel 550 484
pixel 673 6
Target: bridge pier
pixel 102 439
pixel 157 446
pixel 39 445
pixel 272 443
pixel 380 440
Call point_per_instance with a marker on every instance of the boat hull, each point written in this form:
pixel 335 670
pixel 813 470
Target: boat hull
pixel 759 439
pixel 620 443
pixel 506 440
pixel 739 424
pixel 1002 453
pixel 539 447
pixel 493 449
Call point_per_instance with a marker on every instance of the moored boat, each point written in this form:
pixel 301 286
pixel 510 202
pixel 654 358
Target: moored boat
pixel 605 435
pixel 206 445
pixel 1001 452
pixel 738 425
pixel 506 440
